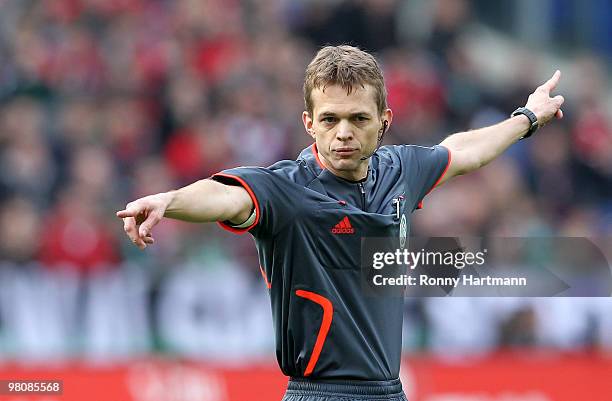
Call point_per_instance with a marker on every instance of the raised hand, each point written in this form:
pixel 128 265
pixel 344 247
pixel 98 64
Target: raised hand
pixel 544 106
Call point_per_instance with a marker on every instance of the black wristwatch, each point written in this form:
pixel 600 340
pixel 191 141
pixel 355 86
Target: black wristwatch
pixel 532 119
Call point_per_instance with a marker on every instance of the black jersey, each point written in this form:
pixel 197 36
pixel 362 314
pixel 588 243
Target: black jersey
pixel 308 229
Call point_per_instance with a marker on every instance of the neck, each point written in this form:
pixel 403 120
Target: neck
pixel 356 174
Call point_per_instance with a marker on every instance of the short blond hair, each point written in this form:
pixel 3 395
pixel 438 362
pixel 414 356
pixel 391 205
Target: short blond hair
pixel 347 66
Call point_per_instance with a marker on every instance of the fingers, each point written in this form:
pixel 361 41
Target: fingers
pixel 544 105
pixel 132 216
pixel 131 210
pixel 145 228
pixel 559 100
pixel 551 84
pixel 149 240
pixel 124 213
pixel 129 226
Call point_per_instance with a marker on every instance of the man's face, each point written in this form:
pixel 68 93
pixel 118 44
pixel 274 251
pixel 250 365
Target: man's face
pixel 345 128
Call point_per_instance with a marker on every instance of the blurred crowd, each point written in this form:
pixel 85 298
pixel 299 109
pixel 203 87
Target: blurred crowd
pixel 105 101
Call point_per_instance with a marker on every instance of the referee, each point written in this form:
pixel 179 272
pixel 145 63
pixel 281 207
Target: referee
pixel 308 217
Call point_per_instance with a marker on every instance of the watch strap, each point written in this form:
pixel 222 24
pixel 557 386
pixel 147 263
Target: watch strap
pixel 532 119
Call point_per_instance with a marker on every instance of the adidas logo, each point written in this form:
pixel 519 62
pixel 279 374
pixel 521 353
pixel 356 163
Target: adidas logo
pixel 344 227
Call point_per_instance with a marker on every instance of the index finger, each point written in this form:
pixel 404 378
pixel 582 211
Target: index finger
pixel 124 213
pixel 551 84
pixel 129 211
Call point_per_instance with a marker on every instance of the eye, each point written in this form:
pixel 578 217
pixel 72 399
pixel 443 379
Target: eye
pixel 362 118
pixel 328 120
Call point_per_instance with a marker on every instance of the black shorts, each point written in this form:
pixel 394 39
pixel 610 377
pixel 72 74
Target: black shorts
pixel 300 389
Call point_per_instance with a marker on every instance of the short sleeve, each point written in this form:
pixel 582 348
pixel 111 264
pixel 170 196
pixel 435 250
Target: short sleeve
pixel 425 167
pixel 273 198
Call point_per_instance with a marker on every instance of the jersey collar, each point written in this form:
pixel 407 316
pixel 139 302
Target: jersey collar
pixel 311 156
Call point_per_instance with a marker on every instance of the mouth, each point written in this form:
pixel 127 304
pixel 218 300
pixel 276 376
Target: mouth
pixel 345 152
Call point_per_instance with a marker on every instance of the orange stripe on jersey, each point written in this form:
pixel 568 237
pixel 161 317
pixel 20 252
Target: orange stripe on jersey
pixel 448 163
pixel 246 186
pixel 263 273
pixel 328 313
pixel 315 151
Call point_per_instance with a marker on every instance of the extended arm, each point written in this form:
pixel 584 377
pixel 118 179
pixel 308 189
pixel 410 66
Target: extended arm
pixel 473 149
pixel 202 201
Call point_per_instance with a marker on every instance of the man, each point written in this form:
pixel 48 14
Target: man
pixel 307 217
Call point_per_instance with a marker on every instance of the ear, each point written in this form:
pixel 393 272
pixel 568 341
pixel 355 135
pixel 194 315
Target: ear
pixel 387 116
pixel 307 120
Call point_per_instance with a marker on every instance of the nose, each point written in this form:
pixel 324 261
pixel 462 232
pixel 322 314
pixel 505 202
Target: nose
pixel 345 131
